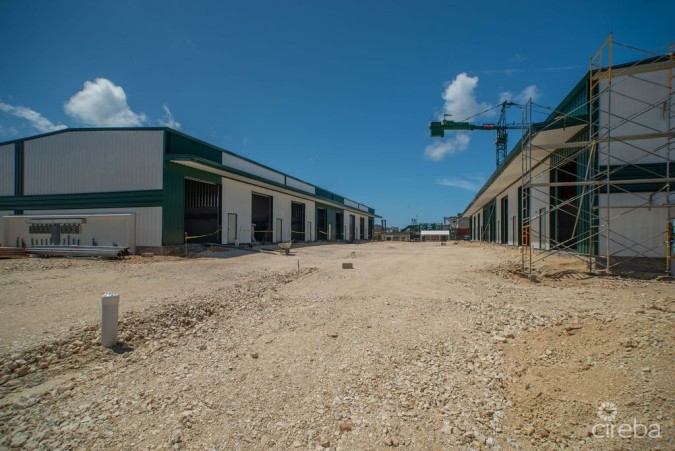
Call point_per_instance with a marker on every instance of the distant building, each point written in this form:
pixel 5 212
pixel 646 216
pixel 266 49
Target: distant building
pixel 459 226
pixel 435 235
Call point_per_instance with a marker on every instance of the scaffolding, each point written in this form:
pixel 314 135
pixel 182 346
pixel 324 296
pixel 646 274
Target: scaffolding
pixel 597 180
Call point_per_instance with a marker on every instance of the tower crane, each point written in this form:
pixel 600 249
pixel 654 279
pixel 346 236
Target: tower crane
pixel 437 129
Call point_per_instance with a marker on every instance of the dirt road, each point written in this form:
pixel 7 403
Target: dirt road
pixel 420 346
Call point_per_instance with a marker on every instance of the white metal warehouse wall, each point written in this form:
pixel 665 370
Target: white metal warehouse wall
pixel 646 228
pixel 512 195
pixel 94 161
pixel 148 221
pixel 539 200
pixel 237 199
pixel 638 107
pixel 357 225
pixel 2 231
pixel 643 99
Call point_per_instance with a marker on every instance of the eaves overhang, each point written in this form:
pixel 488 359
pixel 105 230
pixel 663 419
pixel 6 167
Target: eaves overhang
pixel 228 172
pixel 546 138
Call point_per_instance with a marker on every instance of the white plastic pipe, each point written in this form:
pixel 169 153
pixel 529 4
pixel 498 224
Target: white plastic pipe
pixel 109 314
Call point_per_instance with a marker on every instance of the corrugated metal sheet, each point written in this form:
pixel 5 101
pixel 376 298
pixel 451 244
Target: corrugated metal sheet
pixel 329 195
pixel 252 168
pixel 643 99
pixel 179 144
pixel 2 236
pixel 94 161
pixel 7 170
pixel 174 199
pixel 627 238
pixel 237 200
pixel 297 184
pixel 148 221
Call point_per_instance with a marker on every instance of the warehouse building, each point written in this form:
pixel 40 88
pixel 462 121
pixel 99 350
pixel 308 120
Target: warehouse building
pixel 595 179
pixel 156 187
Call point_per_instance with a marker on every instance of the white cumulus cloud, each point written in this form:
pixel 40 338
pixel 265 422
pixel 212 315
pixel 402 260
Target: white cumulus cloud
pixel 460 98
pixel 169 120
pixel 38 121
pixel 101 103
pixel 456 143
pixel 469 183
pixel 460 104
pixel 530 92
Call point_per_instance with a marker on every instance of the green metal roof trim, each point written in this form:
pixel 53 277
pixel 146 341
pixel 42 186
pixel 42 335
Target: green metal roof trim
pixel 320 192
pixel 221 167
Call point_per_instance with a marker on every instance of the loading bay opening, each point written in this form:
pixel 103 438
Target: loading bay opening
pixel 202 211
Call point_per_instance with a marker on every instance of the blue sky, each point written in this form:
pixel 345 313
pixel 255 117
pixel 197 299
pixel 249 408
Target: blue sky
pixel 339 94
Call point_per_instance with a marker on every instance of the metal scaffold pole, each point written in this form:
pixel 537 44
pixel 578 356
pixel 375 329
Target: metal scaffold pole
pixel 671 147
pixel 601 192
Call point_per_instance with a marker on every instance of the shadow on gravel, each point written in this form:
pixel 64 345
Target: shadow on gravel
pixel 121 348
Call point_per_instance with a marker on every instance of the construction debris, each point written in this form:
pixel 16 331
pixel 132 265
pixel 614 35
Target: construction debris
pixel 12 252
pixel 79 251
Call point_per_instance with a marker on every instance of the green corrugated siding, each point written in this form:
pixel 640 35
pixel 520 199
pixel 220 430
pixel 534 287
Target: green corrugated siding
pixel 173 213
pixel 587 225
pixel 575 103
pixel 489 232
pixel 325 194
pixel 178 144
pixel 330 218
pixel 117 199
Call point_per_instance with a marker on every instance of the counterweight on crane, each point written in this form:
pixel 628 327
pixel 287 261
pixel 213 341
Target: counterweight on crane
pixel 437 129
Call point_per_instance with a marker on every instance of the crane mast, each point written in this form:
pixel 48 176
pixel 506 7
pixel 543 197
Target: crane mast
pixel 437 130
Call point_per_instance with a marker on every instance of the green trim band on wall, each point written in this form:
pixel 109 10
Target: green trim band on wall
pixel 117 199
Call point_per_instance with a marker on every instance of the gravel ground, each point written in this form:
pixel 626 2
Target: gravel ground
pixel 420 346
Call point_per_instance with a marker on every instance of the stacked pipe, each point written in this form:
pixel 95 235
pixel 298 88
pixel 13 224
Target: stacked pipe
pixel 12 252
pixel 79 251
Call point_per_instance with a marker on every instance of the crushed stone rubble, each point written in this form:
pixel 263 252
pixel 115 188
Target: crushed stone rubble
pixel 254 368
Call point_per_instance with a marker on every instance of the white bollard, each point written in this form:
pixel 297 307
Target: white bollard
pixel 109 313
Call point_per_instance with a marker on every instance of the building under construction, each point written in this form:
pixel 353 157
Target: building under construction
pixel 156 188
pixel 595 178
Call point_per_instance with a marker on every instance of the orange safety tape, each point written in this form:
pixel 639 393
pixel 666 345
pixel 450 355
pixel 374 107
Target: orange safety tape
pixel 200 236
